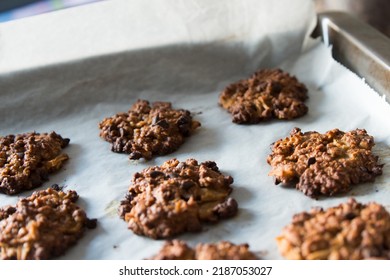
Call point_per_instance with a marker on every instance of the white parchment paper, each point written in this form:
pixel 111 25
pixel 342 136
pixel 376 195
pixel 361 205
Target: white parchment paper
pixel 185 52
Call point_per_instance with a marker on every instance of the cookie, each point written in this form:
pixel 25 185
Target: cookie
pixel 175 250
pixel 177 197
pixel 27 159
pixel 224 250
pixel 267 94
pixel 324 164
pixel 146 131
pixel 350 231
pixel 42 226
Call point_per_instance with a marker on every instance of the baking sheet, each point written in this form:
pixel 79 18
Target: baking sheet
pixel 72 97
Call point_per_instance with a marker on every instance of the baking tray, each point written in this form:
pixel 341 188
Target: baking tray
pixel 103 85
pixel 358 46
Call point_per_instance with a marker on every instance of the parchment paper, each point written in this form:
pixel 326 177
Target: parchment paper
pixel 185 52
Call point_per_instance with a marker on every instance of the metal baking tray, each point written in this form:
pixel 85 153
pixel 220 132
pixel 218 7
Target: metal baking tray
pixel 358 46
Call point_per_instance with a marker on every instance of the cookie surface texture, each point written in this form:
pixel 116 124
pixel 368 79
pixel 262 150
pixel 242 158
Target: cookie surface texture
pixel 267 94
pixel 223 250
pixel 146 131
pixel 350 231
pixel 42 226
pixel 27 159
pixel 177 197
pixel 324 164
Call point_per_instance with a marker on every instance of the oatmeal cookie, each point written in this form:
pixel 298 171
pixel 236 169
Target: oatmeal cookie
pixel 177 197
pixel 267 94
pixel 27 159
pixel 42 226
pixel 175 250
pixel 145 131
pixel 324 164
pixel 350 231
pixel 224 250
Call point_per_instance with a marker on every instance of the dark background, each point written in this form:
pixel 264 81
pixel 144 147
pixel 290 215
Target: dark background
pixel 6 5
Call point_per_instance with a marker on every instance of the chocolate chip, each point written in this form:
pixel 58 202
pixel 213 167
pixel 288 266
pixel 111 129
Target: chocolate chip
pixel 65 142
pixel 212 165
pixel 184 120
pixel 311 161
pixel 91 223
pixel 56 187
pixel 350 216
pixel 155 174
pixel 135 155
pixel 226 209
pixel 187 184
pixel 163 124
pixel 229 180
pixel 129 197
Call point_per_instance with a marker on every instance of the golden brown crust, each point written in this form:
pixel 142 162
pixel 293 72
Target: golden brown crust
pixel 27 159
pixel 267 94
pixel 224 250
pixel 176 197
pixel 146 131
pixel 324 164
pixel 42 226
pixel 350 231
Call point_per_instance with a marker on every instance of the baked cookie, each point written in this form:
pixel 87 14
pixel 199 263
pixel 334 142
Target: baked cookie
pixel 324 164
pixel 224 250
pixel 42 226
pixel 267 94
pixel 350 231
pixel 145 131
pixel 177 197
pixel 27 159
